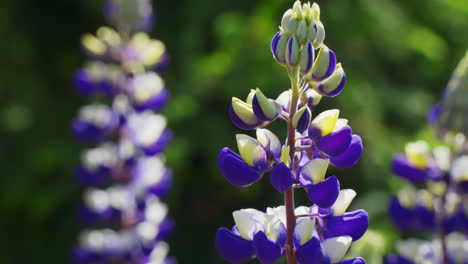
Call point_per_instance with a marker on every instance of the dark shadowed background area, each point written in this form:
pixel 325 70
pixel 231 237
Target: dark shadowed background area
pixel 397 55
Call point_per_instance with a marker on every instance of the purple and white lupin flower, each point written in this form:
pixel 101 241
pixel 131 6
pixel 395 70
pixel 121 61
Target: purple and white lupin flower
pixel 441 174
pixel 322 232
pixel 125 174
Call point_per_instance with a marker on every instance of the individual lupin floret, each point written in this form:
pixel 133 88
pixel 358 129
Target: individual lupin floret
pixel 292 52
pixel 278 47
pixel 264 109
pixel 307 59
pixel 242 114
pixel 94 123
pixel 311 98
pixel 320 191
pixel 459 172
pixel 324 65
pixel 148 132
pixel 417 164
pixel 248 167
pixel 147 92
pixel 301 119
pixel 97 78
pixel 333 85
pixel 331 135
pixel 142 52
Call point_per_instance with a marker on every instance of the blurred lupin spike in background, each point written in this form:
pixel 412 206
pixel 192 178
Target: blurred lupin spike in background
pixel 453 115
pixel 129 16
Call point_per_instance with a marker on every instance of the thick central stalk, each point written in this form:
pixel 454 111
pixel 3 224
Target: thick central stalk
pixel 441 222
pixel 289 194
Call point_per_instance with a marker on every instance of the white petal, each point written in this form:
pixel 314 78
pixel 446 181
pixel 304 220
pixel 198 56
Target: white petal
pixel 336 247
pixel 315 170
pixel 304 229
pixel 250 149
pixel 345 197
pixel 246 223
pixel 279 212
pixel 302 210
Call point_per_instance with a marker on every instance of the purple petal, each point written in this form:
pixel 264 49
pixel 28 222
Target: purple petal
pixel 88 132
pixel 166 228
pixel 402 217
pixel 267 251
pixel 238 122
pixel 232 247
pixel 402 168
pixel 310 252
pixel 335 143
pixel 83 83
pixel 351 156
pixel 281 177
pixel 353 224
pixel 304 121
pixel 155 103
pixel 434 113
pixel 274 44
pixel 235 170
pixel 352 261
pixel 325 193
pixel 335 91
pixel 161 188
pixel 257 109
pixel 162 63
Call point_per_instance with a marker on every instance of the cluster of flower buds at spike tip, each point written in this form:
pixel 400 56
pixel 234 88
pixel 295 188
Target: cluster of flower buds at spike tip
pixel 323 231
pixel 451 114
pixel 124 173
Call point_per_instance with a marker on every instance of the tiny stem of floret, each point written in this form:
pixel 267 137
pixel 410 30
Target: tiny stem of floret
pixel 305 147
pixel 307 215
pixel 289 194
pixel 440 220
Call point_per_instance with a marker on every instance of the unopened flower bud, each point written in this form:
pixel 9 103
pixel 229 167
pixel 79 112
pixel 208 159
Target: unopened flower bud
pixel 264 108
pixel 324 65
pixel 307 12
pixel 250 96
pixel 297 8
pixel 242 114
pixel 307 58
pixel 320 36
pixel 311 98
pixel 301 32
pixel 301 119
pixel 333 85
pixel 292 52
pixel 315 11
pixel 285 20
pixel 278 47
pixel 285 155
pixel 312 32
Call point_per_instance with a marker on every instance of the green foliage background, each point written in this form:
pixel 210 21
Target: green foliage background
pixel 397 55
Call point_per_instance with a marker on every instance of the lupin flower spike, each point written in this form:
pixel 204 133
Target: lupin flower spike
pixel 322 232
pixel 125 174
pixel 437 203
